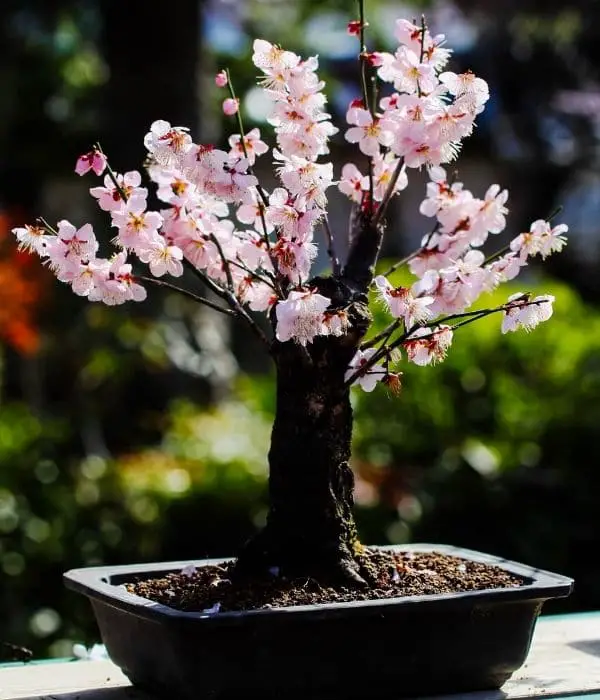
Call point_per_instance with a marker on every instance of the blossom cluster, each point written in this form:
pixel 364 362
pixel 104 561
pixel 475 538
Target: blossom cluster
pixel 256 249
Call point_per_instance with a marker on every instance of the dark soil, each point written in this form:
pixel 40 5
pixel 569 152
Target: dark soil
pixel 397 574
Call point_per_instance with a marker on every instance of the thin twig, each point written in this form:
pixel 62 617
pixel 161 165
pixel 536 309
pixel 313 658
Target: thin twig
pixel 49 228
pixel 389 193
pixel 232 301
pixel 468 316
pixel 112 175
pixel 253 274
pixel 369 104
pixel 261 193
pixel 185 292
pixel 224 261
pixel 335 262
pixel 384 335
pixel 414 254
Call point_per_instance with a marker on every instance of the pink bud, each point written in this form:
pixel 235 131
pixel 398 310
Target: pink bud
pixel 221 79
pixel 374 59
pixel 94 160
pixel 354 27
pixel 98 162
pixel 231 106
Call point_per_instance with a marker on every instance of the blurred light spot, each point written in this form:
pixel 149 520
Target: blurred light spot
pixel 450 459
pixel 46 471
pixel 8 521
pixel 87 493
pixel 259 518
pixel 410 508
pixel 177 480
pixel 365 494
pixel 481 458
pixel 111 533
pixel 326 33
pixel 398 532
pixel 45 622
pixel 224 34
pixel 472 379
pixel 37 529
pixel 13 564
pixel 61 649
pixel 257 105
pixel 93 467
pixel 144 510
pixel 58 108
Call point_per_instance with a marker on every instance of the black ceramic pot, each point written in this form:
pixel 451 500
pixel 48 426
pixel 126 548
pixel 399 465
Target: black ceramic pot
pixel 378 648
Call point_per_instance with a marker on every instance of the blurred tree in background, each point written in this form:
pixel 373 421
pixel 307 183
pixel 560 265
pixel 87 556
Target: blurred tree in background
pixel 127 435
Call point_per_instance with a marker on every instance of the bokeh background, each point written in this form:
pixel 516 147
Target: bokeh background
pixel 140 433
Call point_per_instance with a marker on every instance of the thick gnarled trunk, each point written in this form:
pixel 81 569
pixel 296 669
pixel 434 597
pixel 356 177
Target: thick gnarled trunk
pixel 310 528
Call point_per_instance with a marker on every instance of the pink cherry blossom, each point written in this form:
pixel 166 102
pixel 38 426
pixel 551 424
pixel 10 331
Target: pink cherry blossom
pixel 401 303
pixel 427 346
pixel 521 312
pixel 163 259
pixel 137 227
pixel 541 239
pixel 221 79
pixel 353 183
pixel 168 145
pixel 31 239
pixel 110 199
pixel 384 167
pixel 120 270
pixel 253 145
pixel 94 160
pixel 368 133
pixel 467 85
pixel 409 74
pixel 367 381
pixel 300 317
pixel 73 244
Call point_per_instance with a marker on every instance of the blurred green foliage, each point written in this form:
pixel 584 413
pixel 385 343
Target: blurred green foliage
pixel 492 449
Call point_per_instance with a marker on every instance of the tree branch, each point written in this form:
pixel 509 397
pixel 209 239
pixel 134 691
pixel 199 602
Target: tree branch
pixel 364 252
pixel 468 317
pixel 389 193
pixel 335 262
pixel 185 292
pixel 232 301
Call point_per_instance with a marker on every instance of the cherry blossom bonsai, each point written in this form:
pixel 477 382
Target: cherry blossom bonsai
pixel 245 251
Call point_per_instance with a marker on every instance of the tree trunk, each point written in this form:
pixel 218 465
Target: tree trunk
pixel 310 528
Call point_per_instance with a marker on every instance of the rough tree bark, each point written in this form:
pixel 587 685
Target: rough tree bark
pixel 310 528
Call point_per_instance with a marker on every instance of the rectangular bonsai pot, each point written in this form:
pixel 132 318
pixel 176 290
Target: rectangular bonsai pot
pixel 397 647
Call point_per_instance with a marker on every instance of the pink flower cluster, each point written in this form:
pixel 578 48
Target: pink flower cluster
pixel 71 254
pixel 303 129
pixel 422 122
pixel 255 248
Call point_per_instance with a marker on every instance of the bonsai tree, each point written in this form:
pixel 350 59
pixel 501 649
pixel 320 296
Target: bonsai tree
pixel 250 251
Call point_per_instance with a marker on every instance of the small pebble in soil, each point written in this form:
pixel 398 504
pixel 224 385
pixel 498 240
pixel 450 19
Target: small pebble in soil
pixel 212 589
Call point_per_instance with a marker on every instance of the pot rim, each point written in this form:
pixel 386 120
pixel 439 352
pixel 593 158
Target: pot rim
pixel 104 583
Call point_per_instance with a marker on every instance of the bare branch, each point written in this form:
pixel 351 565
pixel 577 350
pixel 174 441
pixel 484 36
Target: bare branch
pixel 254 275
pixel 335 262
pixel 224 261
pixel 389 193
pixel 385 334
pixel 185 292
